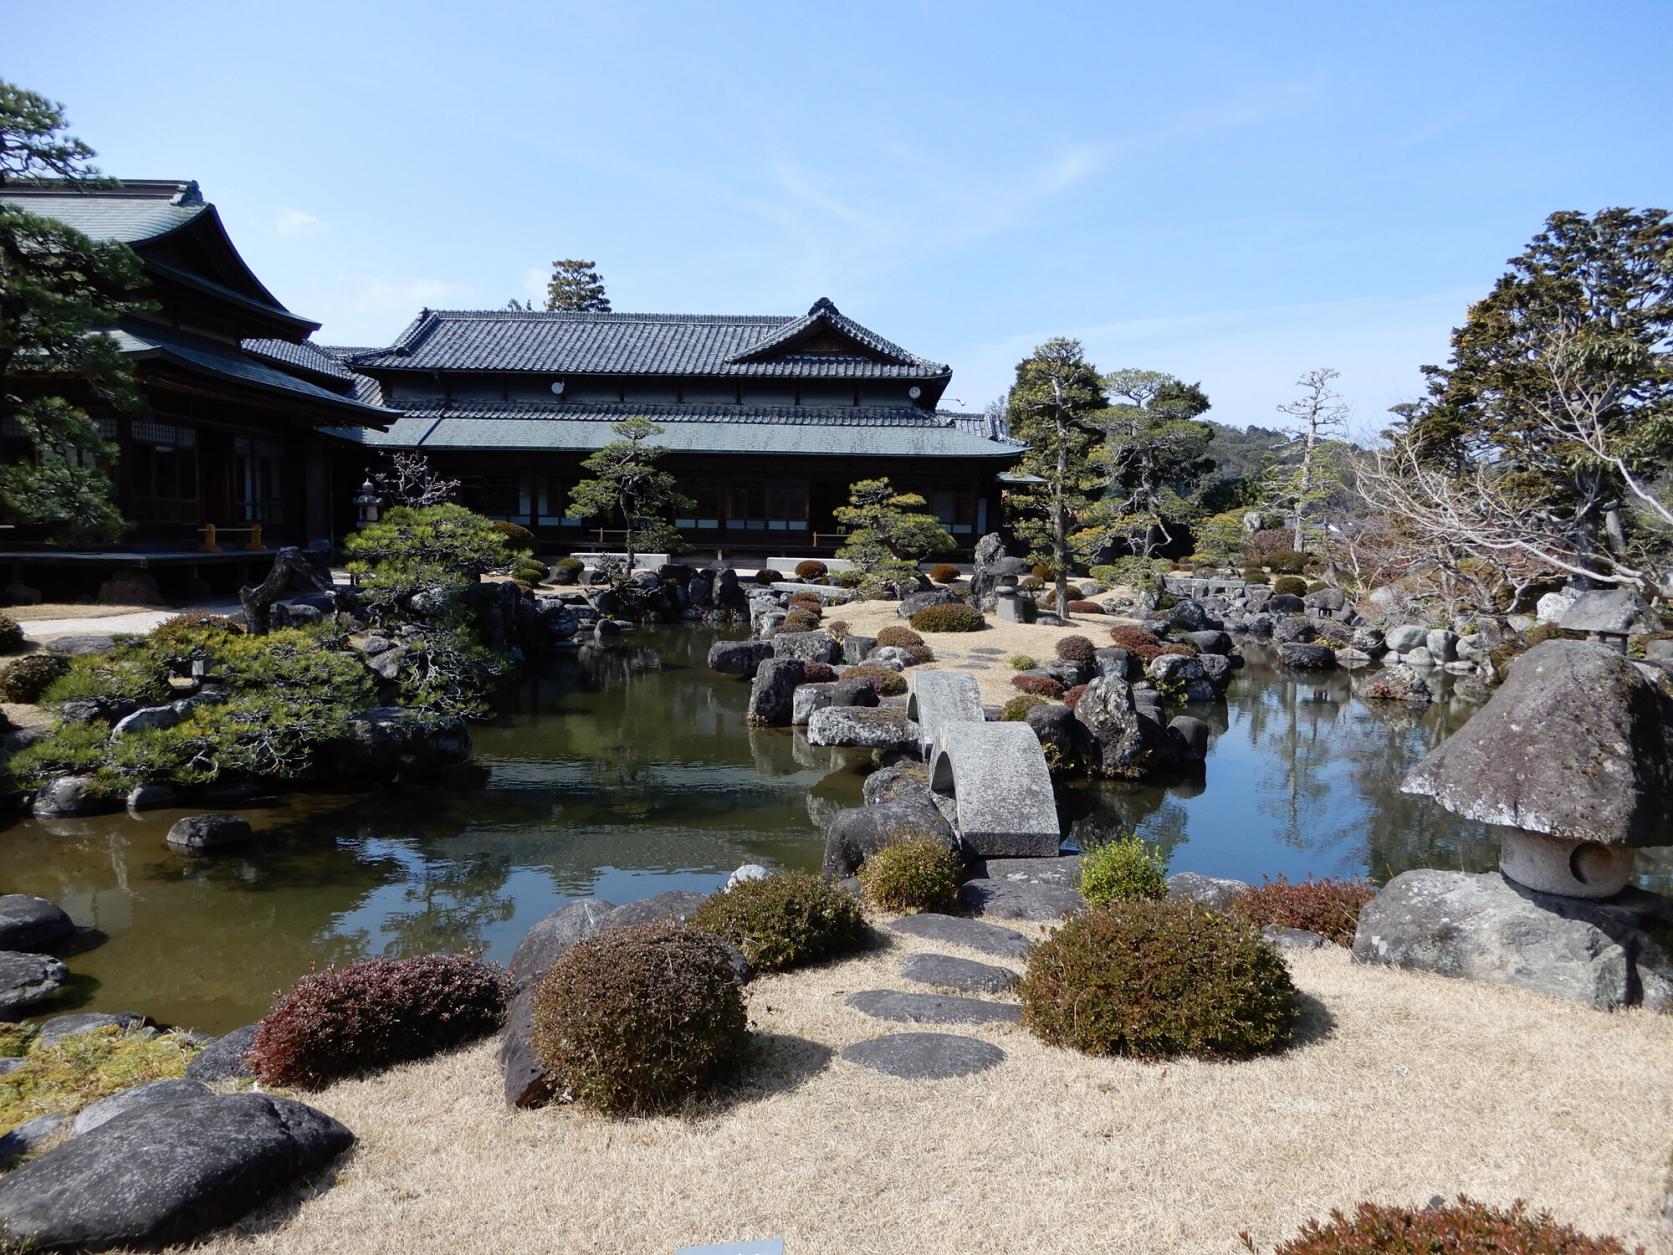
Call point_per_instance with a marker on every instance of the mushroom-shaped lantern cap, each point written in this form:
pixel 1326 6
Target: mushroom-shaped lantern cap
pixel 1577 743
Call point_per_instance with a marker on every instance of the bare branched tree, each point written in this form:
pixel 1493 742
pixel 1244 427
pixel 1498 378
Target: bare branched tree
pixel 1319 418
pixel 409 481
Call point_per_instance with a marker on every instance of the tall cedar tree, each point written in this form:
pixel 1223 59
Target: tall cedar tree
pixel 1154 453
pixel 628 483
pixel 1583 319
pixel 889 532
pixel 1055 407
pixel 58 289
pixel 1301 478
pixel 576 284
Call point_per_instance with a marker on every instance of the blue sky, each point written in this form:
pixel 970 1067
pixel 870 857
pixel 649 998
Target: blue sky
pixel 1231 192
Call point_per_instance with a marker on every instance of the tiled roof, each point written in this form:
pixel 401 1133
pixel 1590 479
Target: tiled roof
pixel 881 431
pixel 587 343
pixel 980 425
pixel 243 368
pixel 136 211
pixel 304 356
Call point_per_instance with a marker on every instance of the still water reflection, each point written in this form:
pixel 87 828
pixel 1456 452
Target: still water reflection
pixel 628 770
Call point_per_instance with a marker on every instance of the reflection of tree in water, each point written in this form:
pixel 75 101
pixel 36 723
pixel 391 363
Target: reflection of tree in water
pixel 455 902
pixel 1300 743
pixel 1115 810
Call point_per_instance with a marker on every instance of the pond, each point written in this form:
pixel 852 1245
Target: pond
pixel 626 770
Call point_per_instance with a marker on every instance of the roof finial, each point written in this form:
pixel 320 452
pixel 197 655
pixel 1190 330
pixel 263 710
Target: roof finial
pixel 824 305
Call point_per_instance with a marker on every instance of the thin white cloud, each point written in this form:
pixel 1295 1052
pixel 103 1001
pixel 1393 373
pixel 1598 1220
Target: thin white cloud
pixel 402 295
pixel 294 224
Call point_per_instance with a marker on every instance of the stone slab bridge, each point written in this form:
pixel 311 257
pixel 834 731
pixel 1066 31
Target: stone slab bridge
pixel 996 773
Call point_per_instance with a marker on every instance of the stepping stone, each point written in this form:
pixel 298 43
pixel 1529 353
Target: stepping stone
pixel 924 1056
pixel 27 921
pixel 990 650
pixel 966 975
pixel 26 979
pixel 892 1004
pixel 223 1058
pixel 970 933
pixel 59 1027
pixel 1011 899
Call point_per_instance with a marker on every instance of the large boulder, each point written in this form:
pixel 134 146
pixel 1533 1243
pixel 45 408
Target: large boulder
pixel 27 979
pixel 910 605
pixel 65 796
pixel 1576 743
pixel 1065 741
pixel 526 1079
pixel 168 1172
pixel 204 834
pixel 901 782
pixel 739 657
pixel 1328 601
pixel 1107 711
pixel 1484 927
pixel 1406 637
pixel 385 740
pixel 807 646
pixel 809 698
pixel 27 922
pixel 1302 657
pixel 135 1096
pixel 223 1058
pixel 883 727
pixel 855 835
pixel 1399 683
pixel 772 692
pixel 1189 615
pixel 1290 628
pixel 1217 892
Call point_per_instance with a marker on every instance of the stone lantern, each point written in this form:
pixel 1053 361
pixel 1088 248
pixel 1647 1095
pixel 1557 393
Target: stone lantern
pixel 366 502
pixel 1574 755
pixel 1609 617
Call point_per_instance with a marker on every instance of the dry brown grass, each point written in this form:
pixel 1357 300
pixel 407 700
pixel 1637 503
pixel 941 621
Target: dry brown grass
pixel 1406 1086
pixel 952 649
pixel 72 610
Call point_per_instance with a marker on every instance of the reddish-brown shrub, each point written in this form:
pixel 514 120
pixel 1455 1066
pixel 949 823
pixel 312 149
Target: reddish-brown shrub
pixel 898 634
pixel 1074 649
pixel 956 617
pixel 1178 647
pixel 884 682
pixel 798 620
pixel 1071 699
pixel 1142 645
pixel 808 602
pixel 1462 1228
pixel 1039 685
pixel 818 672
pixel 1327 907
pixel 811 569
pixel 943 573
pixel 373 1014
pixel 1085 607
pixel 919 653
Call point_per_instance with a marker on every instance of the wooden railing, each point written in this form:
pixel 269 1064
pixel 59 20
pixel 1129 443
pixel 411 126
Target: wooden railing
pixel 211 532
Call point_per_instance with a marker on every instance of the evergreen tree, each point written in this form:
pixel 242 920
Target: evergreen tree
pixel 627 482
pixel 576 284
pixel 889 533
pixel 58 288
pixel 1311 474
pixel 1054 407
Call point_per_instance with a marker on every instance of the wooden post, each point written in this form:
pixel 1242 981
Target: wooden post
pixel 208 545
pixel 255 538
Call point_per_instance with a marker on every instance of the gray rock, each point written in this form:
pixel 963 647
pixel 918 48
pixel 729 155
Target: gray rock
pixel 902 782
pixel 525 1077
pixel 1398 683
pixel 1575 743
pixel 385 740
pixel 168 1172
pixel 1299 657
pixel 942 596
pixel 1188 615
pixel 29 1136
pixel 811 697
pixel 146 719
pixel 1606 954
pixel 1190 738
pixel 924 1056
pixel 772 692
pixel 204 834
pixel 894 657
pixel 1039 889
pixel 813 646
pixel 150 797
pixel 676 904
pixel 1215 891
pixel 1615 611
pixel 1210 642
pixel 1406 637
pixel 81 644
pixel 1442 645
pixel 1419 657
pixel 107 1109
pixel 66 796
pixel 745 874
pixel 1326 600
pixel 1112 660
pixel 1293 629
pixel 908 1008
pixel 28 979
pixel 965 975
pixel 970 933
pixel 856 648
pixel 1217 669
pixel 863 727
pixel 1294 938
pixel 1108 713
pixel 223 1058
pixel 998 775
pixel 858 833
pixel 550 936
pixel 27 921
pixel 855 692
pixel 1064 740
pixel 60 1027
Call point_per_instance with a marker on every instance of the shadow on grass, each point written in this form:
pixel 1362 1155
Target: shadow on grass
pixel 1315 1024
pixel 776 1063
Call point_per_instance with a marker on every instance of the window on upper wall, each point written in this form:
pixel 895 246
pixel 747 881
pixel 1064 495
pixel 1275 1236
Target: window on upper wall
pixel 955 510
pixel 258 480
pixel 705 512
pixel 162 471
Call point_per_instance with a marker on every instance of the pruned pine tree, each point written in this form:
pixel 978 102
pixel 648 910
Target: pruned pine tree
pixel 628 483
pixel 889 533
pixel 1304 476
pixel 576 285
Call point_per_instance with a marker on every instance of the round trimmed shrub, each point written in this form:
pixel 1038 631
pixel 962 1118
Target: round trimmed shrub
pixel 1123 870
pixel 898 634
pixel 1074 649
pixel 1071 698
pixel 11 635
pixel 1286 562
pixel 567 570
pixel 1022 662
pixel 1031 583
pixel 1016 710
pixel 1327 907
pixel 919 654
pixel 1291 584
pixel 953 617
pixel 530 573
pixel 884 682
pixel 784 920
pixel 374 1014
pixel 517 537
pixel 848 579
pixel 1462 1228
pixel 1040 685
pixel 766 575
pixel 1254 575
pixel 1043 573
pixel 811 569
pixel 1142 645
pixel 1084 607
pixel 912 876
pixel 808 602
pixel 798 620
pixel 1156 979
pixel 943 573
pixel 25 679
pixel 818 672
pixel 635 1020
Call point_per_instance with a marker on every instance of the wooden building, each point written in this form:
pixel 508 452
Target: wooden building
pixel 768 420
pixel 235 394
